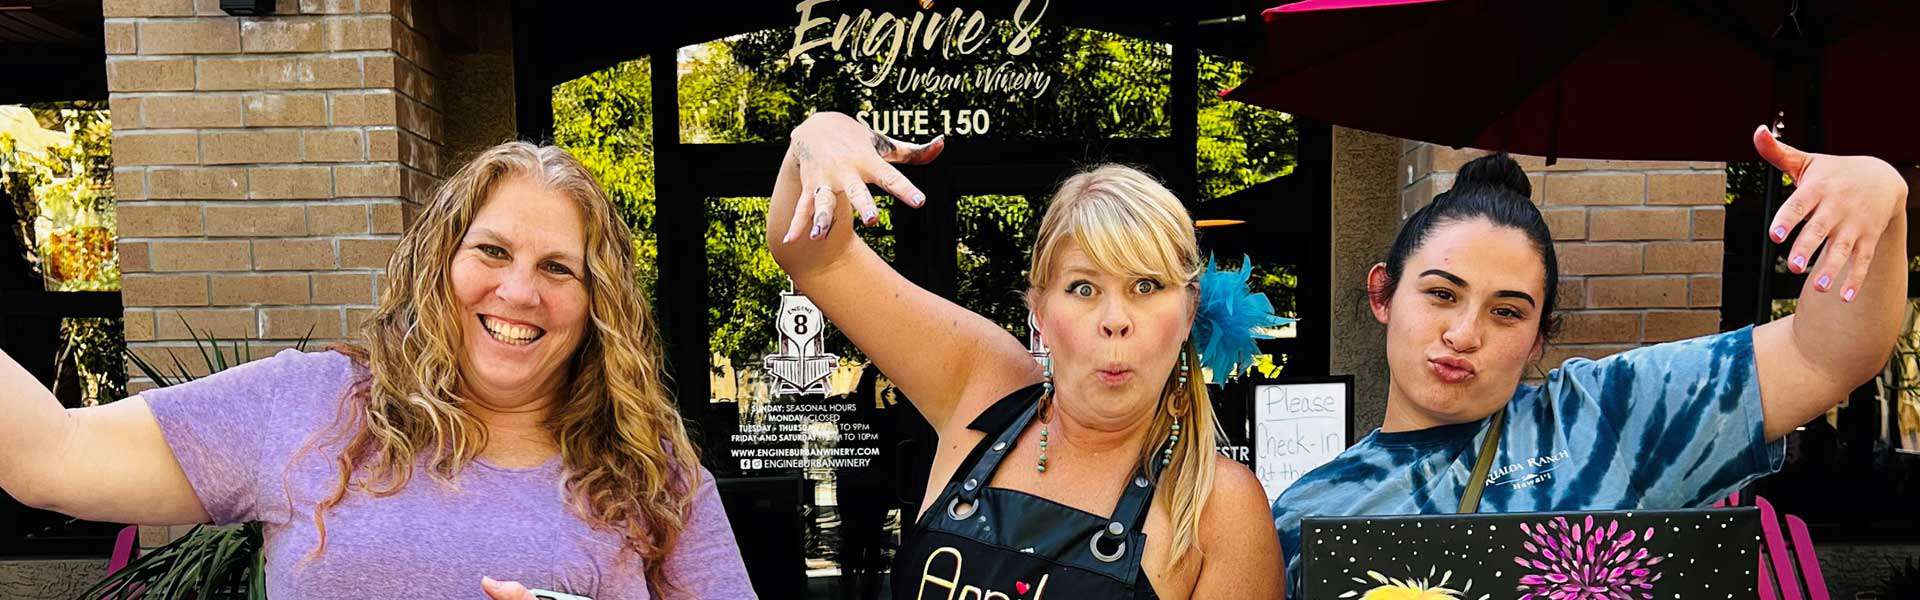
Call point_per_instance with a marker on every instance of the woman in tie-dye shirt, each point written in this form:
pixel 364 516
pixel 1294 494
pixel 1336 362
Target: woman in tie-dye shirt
pixel 1467 296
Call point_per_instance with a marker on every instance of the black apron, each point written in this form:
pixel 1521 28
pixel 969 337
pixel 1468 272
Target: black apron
pixel 997 544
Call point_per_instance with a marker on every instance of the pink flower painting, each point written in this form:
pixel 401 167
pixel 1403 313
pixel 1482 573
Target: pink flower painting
pixel 1586 561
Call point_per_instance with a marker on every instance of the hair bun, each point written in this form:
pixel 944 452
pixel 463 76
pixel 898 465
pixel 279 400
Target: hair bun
pixel 1497 170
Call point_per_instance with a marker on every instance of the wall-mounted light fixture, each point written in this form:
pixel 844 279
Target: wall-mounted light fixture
pixel 247 8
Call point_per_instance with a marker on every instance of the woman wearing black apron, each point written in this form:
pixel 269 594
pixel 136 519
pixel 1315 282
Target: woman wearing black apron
pixel 1093 476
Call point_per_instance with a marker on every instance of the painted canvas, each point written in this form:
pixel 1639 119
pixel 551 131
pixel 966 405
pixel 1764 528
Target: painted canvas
pixel 1707 554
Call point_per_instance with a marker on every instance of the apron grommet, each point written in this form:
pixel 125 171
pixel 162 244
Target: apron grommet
pixel 998 446
pixel 1093 544
pixel 953 510
pixel 971 483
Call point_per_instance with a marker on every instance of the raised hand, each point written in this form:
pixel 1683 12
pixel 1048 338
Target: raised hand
pixel 1847 202
pixel 837 157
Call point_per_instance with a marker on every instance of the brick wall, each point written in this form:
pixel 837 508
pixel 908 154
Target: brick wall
pixel 1638 242
pixel 264 166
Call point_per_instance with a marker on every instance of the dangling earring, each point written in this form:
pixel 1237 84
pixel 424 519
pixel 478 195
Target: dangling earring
pixel 1047 399
pixel 1173 438
pixel 1166 456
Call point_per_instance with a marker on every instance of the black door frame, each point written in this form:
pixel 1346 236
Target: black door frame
pixel 687 176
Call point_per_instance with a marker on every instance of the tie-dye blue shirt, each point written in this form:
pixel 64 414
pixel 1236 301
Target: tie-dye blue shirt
pixel 1674 425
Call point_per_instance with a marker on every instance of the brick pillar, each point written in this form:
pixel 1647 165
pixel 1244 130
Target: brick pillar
pixel 1638 242
pixel 264 167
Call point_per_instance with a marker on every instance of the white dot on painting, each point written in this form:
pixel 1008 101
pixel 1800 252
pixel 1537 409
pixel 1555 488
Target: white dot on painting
pixel 1493 528
pixel 1496 573
pixel 1349 559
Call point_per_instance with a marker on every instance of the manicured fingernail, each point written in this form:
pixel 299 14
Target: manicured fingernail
pixel 818 232
pixel 1779 234
pixel 788 239
pixel 1825 280
pixel 870 216
pixel 1799 262
pixel 488 581
pixel 919 199
pixel 1847 295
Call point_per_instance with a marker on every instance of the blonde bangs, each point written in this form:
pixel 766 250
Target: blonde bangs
pixel 1126 222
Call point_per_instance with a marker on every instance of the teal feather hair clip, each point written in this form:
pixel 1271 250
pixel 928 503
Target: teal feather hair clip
pixel 1229 319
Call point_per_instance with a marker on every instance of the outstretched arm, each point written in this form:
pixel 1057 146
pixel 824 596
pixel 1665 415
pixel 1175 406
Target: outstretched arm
pixel 1852 305
pixel 101 463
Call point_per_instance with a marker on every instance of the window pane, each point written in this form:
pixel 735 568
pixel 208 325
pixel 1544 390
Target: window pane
pixel 606 120
pixel 994 251
pixel 840 440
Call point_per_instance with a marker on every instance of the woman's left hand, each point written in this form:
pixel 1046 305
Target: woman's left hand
pixel 1847 203
pixel 505 590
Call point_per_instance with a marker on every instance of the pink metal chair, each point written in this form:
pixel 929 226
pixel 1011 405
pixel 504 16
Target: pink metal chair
pixel 1786 561
pixel 126 547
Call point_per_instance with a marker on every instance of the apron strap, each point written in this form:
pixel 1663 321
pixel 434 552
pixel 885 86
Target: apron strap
pixel 1470 500
pixel 1131 511
pixel 970 481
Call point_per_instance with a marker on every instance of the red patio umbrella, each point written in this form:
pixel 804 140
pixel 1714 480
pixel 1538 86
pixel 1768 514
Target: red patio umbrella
pixel 1619 79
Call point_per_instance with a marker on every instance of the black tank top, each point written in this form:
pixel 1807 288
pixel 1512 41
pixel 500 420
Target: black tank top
pixel 982 542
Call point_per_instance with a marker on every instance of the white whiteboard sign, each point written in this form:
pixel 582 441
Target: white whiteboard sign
pixel 1297 426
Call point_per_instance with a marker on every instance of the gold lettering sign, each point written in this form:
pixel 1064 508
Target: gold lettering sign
pixel 879 43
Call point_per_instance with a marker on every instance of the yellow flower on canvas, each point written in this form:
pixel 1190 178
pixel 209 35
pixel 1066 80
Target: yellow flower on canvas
pixel 1394 592
pixel 1411 588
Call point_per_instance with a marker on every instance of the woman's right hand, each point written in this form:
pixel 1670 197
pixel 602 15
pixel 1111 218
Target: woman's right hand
pixel 837 157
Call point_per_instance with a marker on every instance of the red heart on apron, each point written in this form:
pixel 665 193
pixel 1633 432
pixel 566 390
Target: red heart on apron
pixel 1020 586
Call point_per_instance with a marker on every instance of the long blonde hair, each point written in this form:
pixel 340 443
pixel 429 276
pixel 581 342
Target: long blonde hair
pixel 1128 223
pixel 630 468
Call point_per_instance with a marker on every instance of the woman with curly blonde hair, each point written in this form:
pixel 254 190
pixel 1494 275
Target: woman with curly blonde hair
pixel 512 362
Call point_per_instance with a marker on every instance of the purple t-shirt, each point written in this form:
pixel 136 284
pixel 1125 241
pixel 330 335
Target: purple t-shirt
pixel 240 434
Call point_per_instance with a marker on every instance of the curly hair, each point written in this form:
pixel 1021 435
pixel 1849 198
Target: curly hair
pixel 630 467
